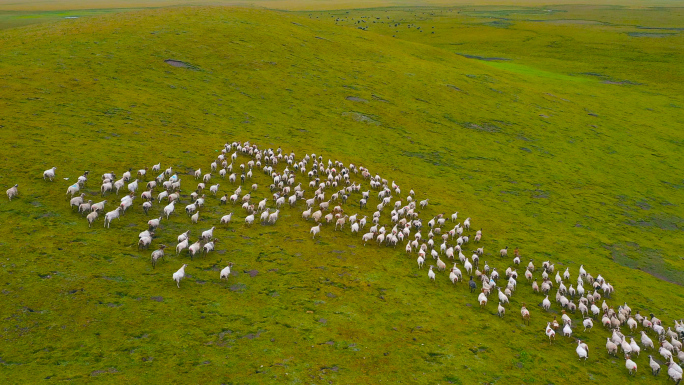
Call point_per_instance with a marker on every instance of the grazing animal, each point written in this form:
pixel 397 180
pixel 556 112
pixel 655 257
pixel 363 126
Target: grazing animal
pixel 550 333
pixel 158 254
pixel 316 230
pixel 655 368
pixel 112 215
pixel 630 365
pixel 482 298
pixel 581 351
pixel 92 217
pixel 431 273
pixel 49 174
pixel 525 314
pixel 13 191
pixel 225 273
pixel 179 275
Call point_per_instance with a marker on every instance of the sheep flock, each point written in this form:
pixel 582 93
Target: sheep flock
pixel 322 191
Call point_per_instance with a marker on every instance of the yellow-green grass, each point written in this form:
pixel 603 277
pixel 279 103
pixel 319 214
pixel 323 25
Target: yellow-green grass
pixel 574 171
pixel 618 44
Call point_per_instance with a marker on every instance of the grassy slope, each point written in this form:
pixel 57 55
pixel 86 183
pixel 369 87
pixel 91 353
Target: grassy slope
pixel 609 41
pixel 95 94
pixel 51 5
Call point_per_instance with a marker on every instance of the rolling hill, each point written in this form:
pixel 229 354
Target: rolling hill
pixel 572 169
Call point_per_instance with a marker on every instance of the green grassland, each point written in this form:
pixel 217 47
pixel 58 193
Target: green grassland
pixel 572 153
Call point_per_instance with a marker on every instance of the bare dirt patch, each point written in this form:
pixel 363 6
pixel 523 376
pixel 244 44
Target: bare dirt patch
pixel 484 58
pixel 356 99
pixel 632 255
pixel 180 64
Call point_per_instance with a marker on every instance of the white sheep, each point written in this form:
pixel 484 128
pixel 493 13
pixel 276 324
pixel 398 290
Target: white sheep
pixel 225 273
pixel 646 341
pixel 581 351
pixel 630 365
pixel 158 254
pixel 112 215
pixel 182 245
pixel 272 218
pixel 168 210
pixel 675 372
pixel 195 248
pixel 133 186
pixel 208 234
pixel 126 175
pixel 92 217
pixel 655 368
pixel 99 206
pixel 611 347
pixel 118 185
pixel 194 217
pixel 154 223
pixel 191 208
pixel 665 353
pixel 226 218
pixel 249 220
pixel 316 230
pixel 183 236
pixel 502 297
pixel 431 273
pixel 146 206
pixel 49 174
pixel 76 202
pixel 567 330
pixel 144 242
pixel 209 246
pixel 73 189
pixel 482 298
pixel 214 189
pixel 179 275
pixel 550 332
pixel 635 348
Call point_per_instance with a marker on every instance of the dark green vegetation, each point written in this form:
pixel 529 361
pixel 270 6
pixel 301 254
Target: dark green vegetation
pixel 540 153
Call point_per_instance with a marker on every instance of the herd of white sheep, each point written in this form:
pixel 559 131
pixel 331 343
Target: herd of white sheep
pixel 394 222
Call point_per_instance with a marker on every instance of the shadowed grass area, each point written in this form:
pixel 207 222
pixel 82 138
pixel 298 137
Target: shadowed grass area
pixel 568 168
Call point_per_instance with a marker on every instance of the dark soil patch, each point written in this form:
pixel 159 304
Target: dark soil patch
pixel 621 83
pixel 356 99
pixel 357 117
pixel 483 58
pixel 484 127
pixel 98 372
pixel 252 273
pixel 632 255
pixel 158 299
pixel 649 34
pixel 238 287
pixel 180 64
